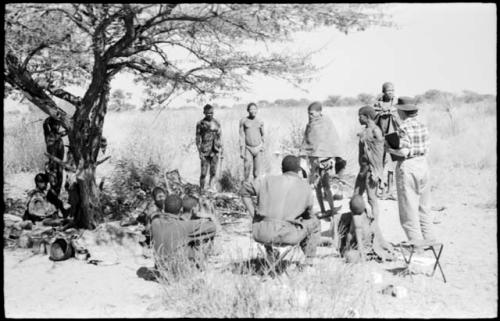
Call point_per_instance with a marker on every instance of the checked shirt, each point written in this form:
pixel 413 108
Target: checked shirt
pixel 414 136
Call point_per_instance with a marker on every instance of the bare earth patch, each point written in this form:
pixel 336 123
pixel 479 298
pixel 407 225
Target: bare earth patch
pixel 34 286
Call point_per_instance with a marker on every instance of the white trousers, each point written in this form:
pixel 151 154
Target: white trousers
pixel 413 188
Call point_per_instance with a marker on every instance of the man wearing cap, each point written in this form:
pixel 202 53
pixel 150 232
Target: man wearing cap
pixel 321 144
pixel 387 119
pixel 284 209
pixel 209 144
pixel 371 166
pixel 251 142
pixel 177 240
pixel 412 173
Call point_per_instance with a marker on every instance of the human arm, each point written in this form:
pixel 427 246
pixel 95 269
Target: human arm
pixel 357 225
pixel 198 137
pixel 218 139
pixel 68 167
pixel 261 128
pixel 249 189
pixel 242 138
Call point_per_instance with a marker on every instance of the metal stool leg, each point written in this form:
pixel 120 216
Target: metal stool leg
pixel 437 264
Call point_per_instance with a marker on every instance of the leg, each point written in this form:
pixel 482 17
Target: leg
pixel 257 164
pixel 325 183
pixel 371 191
pixel 425 215
pixel 247 165
pixel 313 236
pixel 203 173
pixel 408 200
pixel 214 161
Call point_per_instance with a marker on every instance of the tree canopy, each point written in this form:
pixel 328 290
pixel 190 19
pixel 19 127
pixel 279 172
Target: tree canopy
pixel 58 44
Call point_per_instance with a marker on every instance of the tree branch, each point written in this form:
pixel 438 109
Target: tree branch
pixel 21 79
pixel 31 54
pixel 72 18
pixel 63 94
pixel 99 162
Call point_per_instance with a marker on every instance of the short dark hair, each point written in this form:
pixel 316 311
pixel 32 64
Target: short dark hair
pixel 173 204
pixel 207 107
pixel 411 113
pixel 157 190
pixel 41 178
pixel 250 105
pixel 290 164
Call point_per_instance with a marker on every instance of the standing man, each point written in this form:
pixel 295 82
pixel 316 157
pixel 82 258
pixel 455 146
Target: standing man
pixel 412 173
pixel 251 142
pixel 53 139
pixel 371 163
pixel 209 144
pixel 322 145
pixel 387 119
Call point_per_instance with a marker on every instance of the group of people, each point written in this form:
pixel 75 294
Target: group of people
pixel 44 201
pixel 393 145
pixel 281 206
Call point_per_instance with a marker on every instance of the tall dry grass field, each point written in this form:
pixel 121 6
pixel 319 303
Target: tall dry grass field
pixel 463 137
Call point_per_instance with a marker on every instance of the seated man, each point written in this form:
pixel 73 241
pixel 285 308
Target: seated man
pixel 359 234
pixel 38 207
pixel 178 240
pixel 284 211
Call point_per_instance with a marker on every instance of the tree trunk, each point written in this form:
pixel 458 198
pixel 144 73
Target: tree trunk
pixel 88 211
pixel 85 142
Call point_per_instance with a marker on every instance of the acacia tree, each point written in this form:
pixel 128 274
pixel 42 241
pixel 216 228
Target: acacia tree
pixel 51 46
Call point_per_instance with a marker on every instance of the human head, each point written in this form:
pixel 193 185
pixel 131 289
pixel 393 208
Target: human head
pixel 208 110
pixel 407 107
pixel 388 90
pixel 41 181
pixel 173 204
pixel 314 109
pixel 365 113
pixel 357 204
pixel 147 183
pixel 52 177
pixel 188 203
pixel 104 144
pixel 252 110
pixel 159 196
pixel 290 164
pixel 54 123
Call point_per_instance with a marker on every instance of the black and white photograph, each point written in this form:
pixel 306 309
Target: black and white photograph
pixel 250 160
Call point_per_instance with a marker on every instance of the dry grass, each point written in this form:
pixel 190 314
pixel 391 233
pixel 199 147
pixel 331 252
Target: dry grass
pixel 463 138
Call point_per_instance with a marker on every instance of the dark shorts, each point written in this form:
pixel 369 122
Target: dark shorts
pixel 209 162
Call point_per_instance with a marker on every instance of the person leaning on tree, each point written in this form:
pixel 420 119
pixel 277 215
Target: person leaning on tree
pixel 209 144
pixel 53 139
pixel 251 142
pixel 412 173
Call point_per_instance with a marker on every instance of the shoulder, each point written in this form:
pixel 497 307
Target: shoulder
pixel 216 122
pixel 199 123
pixel 243 120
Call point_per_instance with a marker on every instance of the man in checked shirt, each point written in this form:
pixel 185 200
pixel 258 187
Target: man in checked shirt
pixel 412 173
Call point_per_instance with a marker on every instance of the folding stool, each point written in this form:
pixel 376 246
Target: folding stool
pixel 426 246
pixel 271 261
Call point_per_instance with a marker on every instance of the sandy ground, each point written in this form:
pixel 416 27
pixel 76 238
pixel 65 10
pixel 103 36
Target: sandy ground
pixel 34 286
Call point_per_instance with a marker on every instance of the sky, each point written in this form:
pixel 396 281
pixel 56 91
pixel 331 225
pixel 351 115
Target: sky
pixel 448 46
